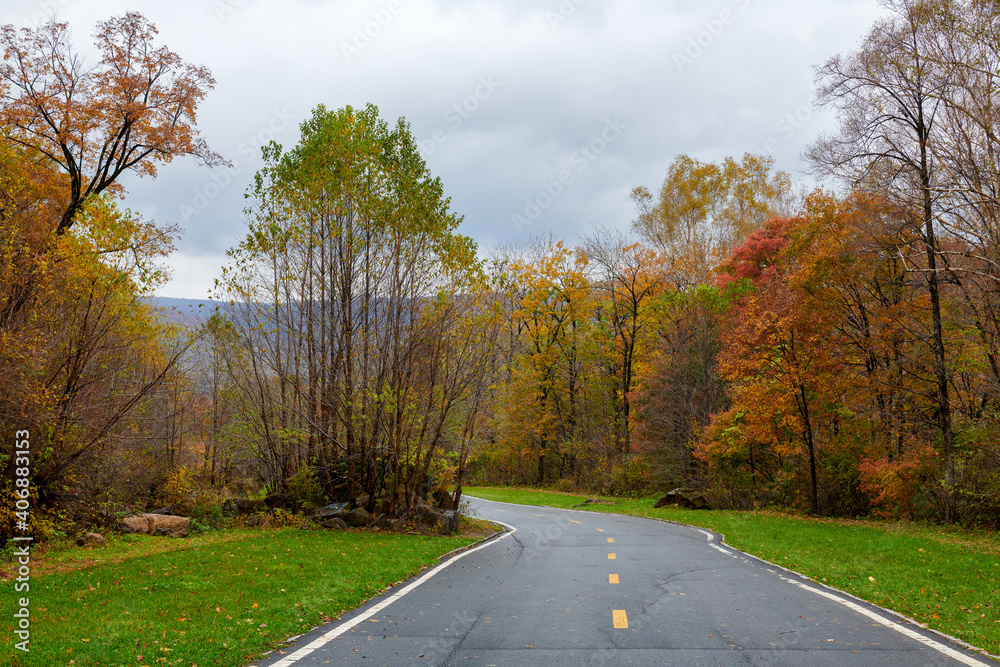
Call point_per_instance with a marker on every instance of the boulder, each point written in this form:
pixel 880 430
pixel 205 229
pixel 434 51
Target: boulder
pixel 386 523
pixel 336 523
pixel 135 524
pixel 442 499
pixel 684 497
pixel 157 524
pixel 444 522
pixel 428 515
pixel 171 526
pixel 91 540
pixel 450 524
pixel 358 517
pixel 331 511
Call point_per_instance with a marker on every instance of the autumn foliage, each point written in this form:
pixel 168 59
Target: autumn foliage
pixel 86 367
pixel 836 353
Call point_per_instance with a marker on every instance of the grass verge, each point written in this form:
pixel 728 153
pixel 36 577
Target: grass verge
pixel 947 579
pixel 222 598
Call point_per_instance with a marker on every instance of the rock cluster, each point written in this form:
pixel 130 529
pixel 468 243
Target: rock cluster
pixel 431 519
pixel 684 497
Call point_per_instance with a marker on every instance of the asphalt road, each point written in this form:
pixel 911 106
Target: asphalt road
pixel 582 588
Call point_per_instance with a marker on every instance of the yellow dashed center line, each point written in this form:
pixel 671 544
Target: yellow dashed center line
pixel 613 579
pixel 619 618
pixel 611 556
pixel 600 530
pixel 571 521
pixel 611 540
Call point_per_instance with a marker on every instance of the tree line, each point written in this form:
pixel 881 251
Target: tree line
pixel 832 351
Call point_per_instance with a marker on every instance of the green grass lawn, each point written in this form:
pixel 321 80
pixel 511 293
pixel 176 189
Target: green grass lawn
pixel 947 579
pixel 222 598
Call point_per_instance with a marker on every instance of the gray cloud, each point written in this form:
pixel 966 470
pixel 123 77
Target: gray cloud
pixel 710 79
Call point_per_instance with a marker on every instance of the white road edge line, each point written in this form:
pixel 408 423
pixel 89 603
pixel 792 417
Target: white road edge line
pixel 912 634
pixel 344 627
pixel 706 534
pixel 718 548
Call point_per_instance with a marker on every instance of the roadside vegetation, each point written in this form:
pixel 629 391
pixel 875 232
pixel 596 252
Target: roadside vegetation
pixel 945 578
pixel 835 352
pixel 221 598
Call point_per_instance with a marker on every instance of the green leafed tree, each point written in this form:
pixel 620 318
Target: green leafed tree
pixel 352 292
pixel 704 210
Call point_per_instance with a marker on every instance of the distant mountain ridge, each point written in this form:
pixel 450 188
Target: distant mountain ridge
pixel 189 312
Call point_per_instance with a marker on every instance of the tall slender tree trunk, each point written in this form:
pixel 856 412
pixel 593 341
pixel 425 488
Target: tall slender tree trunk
pixel 940 369
pixel 807 434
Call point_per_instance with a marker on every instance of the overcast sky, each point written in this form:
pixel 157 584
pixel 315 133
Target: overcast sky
pixel 539 116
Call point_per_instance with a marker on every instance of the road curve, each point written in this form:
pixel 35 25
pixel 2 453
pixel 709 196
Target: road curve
pixel 565 587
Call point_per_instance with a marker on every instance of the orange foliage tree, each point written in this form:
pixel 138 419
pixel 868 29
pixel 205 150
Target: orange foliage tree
pixel 90 124
pixel 554 317
pixel 81 356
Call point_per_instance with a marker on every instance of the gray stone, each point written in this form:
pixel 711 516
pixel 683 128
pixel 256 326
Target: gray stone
pixel 428 515
pixel 684 497
pixel 358 517
pixel 330 511
pixel 336 523
pixel 91 540
pixel 387 523
pixel 450 522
